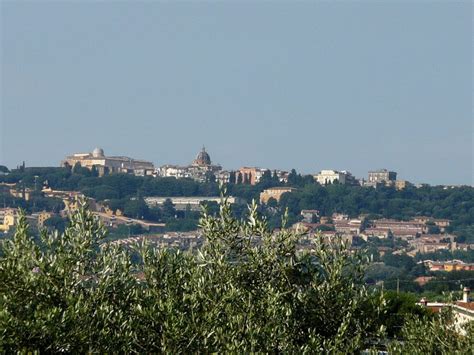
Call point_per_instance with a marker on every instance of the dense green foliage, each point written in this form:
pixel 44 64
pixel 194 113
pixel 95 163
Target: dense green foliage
pixel 399 309
pixel 113 186
pixel 437 335
pixel 71 293
pixel 56 223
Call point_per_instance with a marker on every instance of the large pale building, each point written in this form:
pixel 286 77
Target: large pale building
pixel 382 176
pixel 112 164
pixel 194 202
pixel 326 177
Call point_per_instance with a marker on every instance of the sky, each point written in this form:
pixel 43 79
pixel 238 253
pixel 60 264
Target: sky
pixel 347 85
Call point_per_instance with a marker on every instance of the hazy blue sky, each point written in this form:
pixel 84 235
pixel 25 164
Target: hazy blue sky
pixel 344 85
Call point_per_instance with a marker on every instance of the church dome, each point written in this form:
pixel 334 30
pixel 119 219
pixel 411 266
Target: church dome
pixel 202 158
pixel 98 153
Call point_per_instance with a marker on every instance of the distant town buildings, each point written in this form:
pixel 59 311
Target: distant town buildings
pixel 326 177
pixel 23 193
pixel 441 223
pixel 376 178
pixel 113 164
pixel 401 229
pixel 62 194
pixel 247 175
pixel 375 232
pixel 194 203
pixel 381 177
pixel 201 169
pixel 463 310
pixel 402 184
pixel 430 243
pixel 416 232
pixel 253 175
pixel 8 218
pixel 348 226
pixel 310 216
pixel 111 219
pixel 275 193
pixel 225 177
pixel 452 265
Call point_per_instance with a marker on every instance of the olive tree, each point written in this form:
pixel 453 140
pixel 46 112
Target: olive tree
pixel 436 335
pixel 248 289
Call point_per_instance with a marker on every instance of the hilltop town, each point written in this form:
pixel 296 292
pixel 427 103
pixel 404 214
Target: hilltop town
pixel 202 169
pixel 201 178
pixel 410 229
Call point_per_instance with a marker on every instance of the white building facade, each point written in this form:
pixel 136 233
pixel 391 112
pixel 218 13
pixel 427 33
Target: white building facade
pixel 326 177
